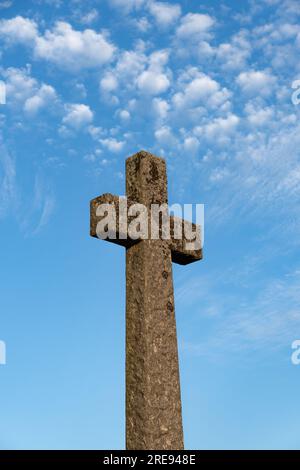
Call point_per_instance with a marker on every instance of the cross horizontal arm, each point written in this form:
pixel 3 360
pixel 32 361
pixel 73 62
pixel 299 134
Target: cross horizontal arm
pixel 183 237
pixel 188 248
pixel 120 236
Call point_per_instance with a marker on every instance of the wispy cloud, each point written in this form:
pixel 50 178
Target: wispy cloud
pixel 40 208
pixel 8 189
pixel 263 318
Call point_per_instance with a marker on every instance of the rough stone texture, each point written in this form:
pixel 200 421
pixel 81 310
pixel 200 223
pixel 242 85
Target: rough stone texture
pixel 146 179
pixel 94 219
pixel 180 253
pixel 139 183
pixel 153 402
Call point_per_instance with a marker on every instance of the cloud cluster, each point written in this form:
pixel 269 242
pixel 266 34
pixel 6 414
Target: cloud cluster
pixel 77 115
pixel 73 49
pixel 213 98
pixel 200 89
pixel 254 82
pixel 195 26
pixel 165 13
pixel 62 45
pixel 19 29
pixel 135 72
pixel 25 92
pixel 153 80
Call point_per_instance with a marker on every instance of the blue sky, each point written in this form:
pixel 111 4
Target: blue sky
pixel 209 88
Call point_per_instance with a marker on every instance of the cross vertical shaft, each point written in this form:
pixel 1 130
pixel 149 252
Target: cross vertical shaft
pixel 153 402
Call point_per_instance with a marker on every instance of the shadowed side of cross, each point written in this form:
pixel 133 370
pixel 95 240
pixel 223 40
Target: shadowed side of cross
pixel 153 402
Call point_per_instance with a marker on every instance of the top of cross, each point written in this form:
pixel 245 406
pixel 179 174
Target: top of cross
pixel 146 184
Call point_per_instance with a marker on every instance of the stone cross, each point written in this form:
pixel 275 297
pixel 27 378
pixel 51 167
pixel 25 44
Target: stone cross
pixel 153 401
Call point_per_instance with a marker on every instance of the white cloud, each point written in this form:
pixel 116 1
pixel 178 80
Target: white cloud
pixel 201 90
pixel 19 85
pixel 73 49
pixel 161 108
pixel 292 179
pixel 142 24
pixel 258 116
pixel 203 50
pixel 89 17
pixel 108 83
pixel 130 64
pixel 151 83
pixel 276 32
pixel 77 116
pixel 164 136
pixel 127 5
pixel 220 129
pixel 234 54
pixel 191 144
pixel 158 59
pixel 224 125
pixel 218 174
pixel 194 25
pixel 112 144
pixel 62 45
pixel 266 321
pixel 201 87
pixel 46 212
pixel 135 70
pixel 154 81
pixel 26 92
pixel 124 115
pixel 39 208
pixel 255 82
pixel 44 96
pixel 43 205
pixel 165 13
pixel 18 29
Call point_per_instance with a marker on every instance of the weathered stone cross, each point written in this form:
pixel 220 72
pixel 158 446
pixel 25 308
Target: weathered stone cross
pixel 153 402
